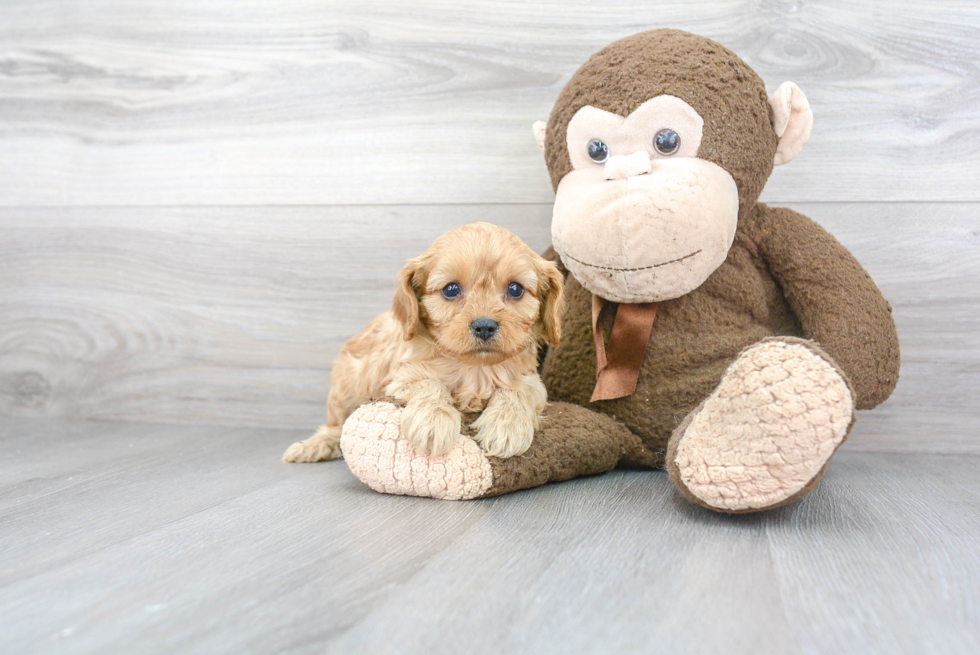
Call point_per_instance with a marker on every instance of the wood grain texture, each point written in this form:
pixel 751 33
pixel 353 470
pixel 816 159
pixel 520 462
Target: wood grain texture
pixel 234 315
pixel 230 314
pixel 329 102
pixel 144 538
pixel 201 201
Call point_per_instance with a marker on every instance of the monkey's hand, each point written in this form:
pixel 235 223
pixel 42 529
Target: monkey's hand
pixel 378 453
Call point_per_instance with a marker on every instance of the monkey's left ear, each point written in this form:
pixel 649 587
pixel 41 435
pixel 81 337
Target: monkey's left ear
pixel 539 128
pixel 792 120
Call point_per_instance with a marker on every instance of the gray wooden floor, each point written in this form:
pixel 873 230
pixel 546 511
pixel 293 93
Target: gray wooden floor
pixel 141 538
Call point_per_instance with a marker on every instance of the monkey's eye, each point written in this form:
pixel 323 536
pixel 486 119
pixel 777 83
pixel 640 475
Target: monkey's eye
pixel 451 291
pixel 667 142
pixel 515 290
pixel 598 151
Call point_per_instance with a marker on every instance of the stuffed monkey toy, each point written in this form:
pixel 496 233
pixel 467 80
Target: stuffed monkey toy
pixel 707 334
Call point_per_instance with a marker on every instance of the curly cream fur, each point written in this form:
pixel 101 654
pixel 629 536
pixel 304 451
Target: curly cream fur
pixel 423 353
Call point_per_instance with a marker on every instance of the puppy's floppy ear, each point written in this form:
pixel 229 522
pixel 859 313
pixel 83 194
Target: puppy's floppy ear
pixel 405 306
pixel 552 295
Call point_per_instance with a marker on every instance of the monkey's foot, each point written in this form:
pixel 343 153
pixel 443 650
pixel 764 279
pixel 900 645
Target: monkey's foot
pixel 383 459
pixel 766 434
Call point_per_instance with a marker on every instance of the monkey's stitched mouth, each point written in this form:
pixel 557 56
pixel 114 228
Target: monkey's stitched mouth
pixel 631 270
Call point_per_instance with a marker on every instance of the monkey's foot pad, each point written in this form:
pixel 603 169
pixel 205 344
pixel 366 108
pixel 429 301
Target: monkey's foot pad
pixel 765 435
pixel 381 458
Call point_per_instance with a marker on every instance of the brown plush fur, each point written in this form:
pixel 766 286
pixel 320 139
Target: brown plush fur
pixel 696 337
pixel 571 441
pixel 785 283
pixel 784 275
pixel 730 96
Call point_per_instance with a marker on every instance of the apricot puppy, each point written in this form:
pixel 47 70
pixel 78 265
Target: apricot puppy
pixel 462 335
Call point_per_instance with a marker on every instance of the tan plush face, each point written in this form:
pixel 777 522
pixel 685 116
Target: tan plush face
pixel 652 223
pixel 640 218
pixel 483 295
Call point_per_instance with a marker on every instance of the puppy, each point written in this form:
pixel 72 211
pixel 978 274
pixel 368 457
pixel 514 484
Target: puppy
pixel 462 335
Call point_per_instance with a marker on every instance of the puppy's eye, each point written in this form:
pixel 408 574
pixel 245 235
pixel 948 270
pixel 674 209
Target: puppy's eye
pixel 598 151
pixel 515 290
pixel 451 291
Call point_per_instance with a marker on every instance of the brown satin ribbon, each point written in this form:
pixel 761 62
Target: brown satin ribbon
pixel 616 374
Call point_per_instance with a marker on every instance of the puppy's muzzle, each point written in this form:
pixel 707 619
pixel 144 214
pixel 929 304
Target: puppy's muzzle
pixel 484 328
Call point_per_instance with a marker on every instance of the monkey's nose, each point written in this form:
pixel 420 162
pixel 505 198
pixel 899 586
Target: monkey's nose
pixel 622 166
pixel 484 328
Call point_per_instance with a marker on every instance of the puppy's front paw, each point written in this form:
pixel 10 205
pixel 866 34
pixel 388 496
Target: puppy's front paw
pixel 432 428
pixel 504 433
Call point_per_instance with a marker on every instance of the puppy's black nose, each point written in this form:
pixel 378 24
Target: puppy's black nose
pixel 484 328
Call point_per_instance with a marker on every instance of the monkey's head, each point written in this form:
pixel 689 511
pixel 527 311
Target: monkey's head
pixel 657 146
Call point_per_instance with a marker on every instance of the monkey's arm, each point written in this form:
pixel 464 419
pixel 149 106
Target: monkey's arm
pixel 834 298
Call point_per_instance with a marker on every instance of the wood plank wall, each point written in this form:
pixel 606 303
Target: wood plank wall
pixel 200 201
